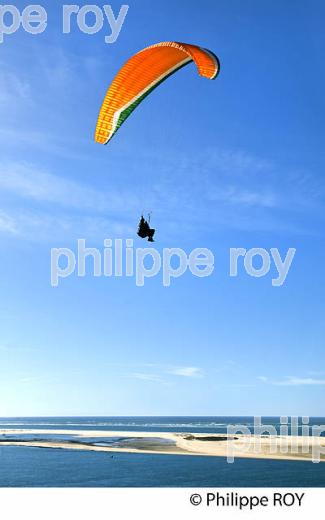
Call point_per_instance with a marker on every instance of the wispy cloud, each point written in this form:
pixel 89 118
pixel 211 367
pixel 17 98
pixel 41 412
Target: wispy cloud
pixel 297 381
pixel 162 373
pixel 12 89
pixel 233 189
pixel 293 381
pixel 32 182
pixel 31 379
pixel 238 196
pixel 16 348
pixel 30 139
pixel 219 191
pixel 47 205
pixel 186 371
pixel 153 378
pixel 316 373
pixel 38 379
pixel 7 224
pixel 41 226
pixel 41 102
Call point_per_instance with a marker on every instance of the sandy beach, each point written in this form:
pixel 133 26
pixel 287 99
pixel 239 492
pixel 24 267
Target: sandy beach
pixel 216 445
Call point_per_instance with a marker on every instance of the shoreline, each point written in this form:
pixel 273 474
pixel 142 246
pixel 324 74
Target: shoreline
pixel 280 447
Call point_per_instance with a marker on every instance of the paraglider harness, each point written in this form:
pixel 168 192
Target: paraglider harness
pixel 144 230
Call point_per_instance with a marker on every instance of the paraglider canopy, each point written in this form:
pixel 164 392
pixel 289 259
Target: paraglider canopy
pixel 141 74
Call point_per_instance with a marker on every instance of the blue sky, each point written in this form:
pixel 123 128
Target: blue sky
pixel 238 162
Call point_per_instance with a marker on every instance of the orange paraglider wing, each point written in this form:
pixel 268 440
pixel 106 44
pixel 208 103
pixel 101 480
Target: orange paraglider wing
pixel 141 74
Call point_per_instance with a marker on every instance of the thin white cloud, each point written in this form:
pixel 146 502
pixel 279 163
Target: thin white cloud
pixel 162 373
pixel 44 205
pixel 12 89
pixel 233 189
pixel 293 381
pixel 7 224
pixel 297 381
pixel 41 226
pixel 34 379
pixel 239 385
pixel 16 348
pixel 153 378
pixel 241 196
pixel 28 138
pixel 186 371
pixel 31 379
pixel 31 182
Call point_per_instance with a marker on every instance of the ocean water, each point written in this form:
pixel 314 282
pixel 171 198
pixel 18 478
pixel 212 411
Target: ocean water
pixel 42 467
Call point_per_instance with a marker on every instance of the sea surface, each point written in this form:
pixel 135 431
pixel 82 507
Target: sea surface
pixel 24 466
